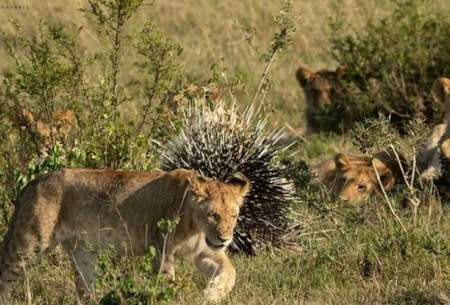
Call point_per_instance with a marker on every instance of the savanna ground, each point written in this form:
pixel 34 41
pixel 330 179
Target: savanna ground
pixel 346 254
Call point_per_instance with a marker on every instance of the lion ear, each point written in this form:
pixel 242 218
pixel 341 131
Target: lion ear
pixel 386 175
pixel 198 184
pixel 304 75
pixel 441 88
pixel 342 161
pixel 239 181
pixel 340 71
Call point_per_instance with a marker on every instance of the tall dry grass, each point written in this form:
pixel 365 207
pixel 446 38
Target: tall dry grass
pixel 229 33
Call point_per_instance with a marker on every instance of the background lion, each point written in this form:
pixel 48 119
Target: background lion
pixel 430 157
pixel 321 89
pixel 43 135
pixel 88 210
pixel 353 178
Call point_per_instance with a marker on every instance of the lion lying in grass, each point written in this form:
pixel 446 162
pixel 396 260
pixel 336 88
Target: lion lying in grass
pixel 353 178
pixel 87 210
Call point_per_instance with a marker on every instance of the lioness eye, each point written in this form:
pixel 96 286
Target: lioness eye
pixel 215 216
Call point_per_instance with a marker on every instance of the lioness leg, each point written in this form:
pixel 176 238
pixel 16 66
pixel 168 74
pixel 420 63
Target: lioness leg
pixel 83 263
pixel 217 267
pixel 165 265
pixel 13 254
pixel 18 246
pixel 30 232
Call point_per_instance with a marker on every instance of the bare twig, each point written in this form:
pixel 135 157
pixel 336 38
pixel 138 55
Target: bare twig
pixel 263 80
pixel 386 198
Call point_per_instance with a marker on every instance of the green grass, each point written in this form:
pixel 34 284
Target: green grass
pixel 351 255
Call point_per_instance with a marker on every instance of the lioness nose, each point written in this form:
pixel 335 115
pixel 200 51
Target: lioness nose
pixel 222 239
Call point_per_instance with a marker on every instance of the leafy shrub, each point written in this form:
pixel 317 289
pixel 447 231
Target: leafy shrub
pixel 136 286
pixel 53 73
pixel 391 65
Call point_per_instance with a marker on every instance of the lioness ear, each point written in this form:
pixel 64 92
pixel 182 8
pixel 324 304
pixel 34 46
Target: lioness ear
pixel 239 181
pixel 386 176
pixel 342 161
pixel 304 75
pixel 198 185
pixel 340 71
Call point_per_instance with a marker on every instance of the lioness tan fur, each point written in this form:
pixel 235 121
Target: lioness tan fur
pixel 353 178
pixel 87 210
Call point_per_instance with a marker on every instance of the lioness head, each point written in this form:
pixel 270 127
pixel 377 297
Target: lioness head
pixel 356 178
pixel 215 207
pixel 441 94
pixel 64 123
pixel 353 178
pixel 319 86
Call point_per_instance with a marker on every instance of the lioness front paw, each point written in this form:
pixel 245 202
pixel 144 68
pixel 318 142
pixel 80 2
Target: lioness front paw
pixel 429 174
pixel 214 295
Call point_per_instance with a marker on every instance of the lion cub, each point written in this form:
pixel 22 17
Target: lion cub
pixel 87 210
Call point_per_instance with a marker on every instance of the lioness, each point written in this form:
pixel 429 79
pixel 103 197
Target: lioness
pixel 321 88
pixel 87 210
pixel 353 178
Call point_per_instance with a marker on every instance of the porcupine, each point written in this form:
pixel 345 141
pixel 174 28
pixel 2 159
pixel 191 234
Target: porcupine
pixel 218 141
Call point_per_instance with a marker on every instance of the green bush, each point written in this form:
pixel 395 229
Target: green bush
pixel 136 286
pixel 117 114
pixel 391 65
pixel 53 72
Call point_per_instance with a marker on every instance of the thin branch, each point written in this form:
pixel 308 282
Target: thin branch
pixel 387 198
pixel 263 79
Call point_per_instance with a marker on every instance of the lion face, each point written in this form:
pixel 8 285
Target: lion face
pixel 318 86
pixel 215 207
pixel 355 178
pixel 64 123
pixel 441 94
